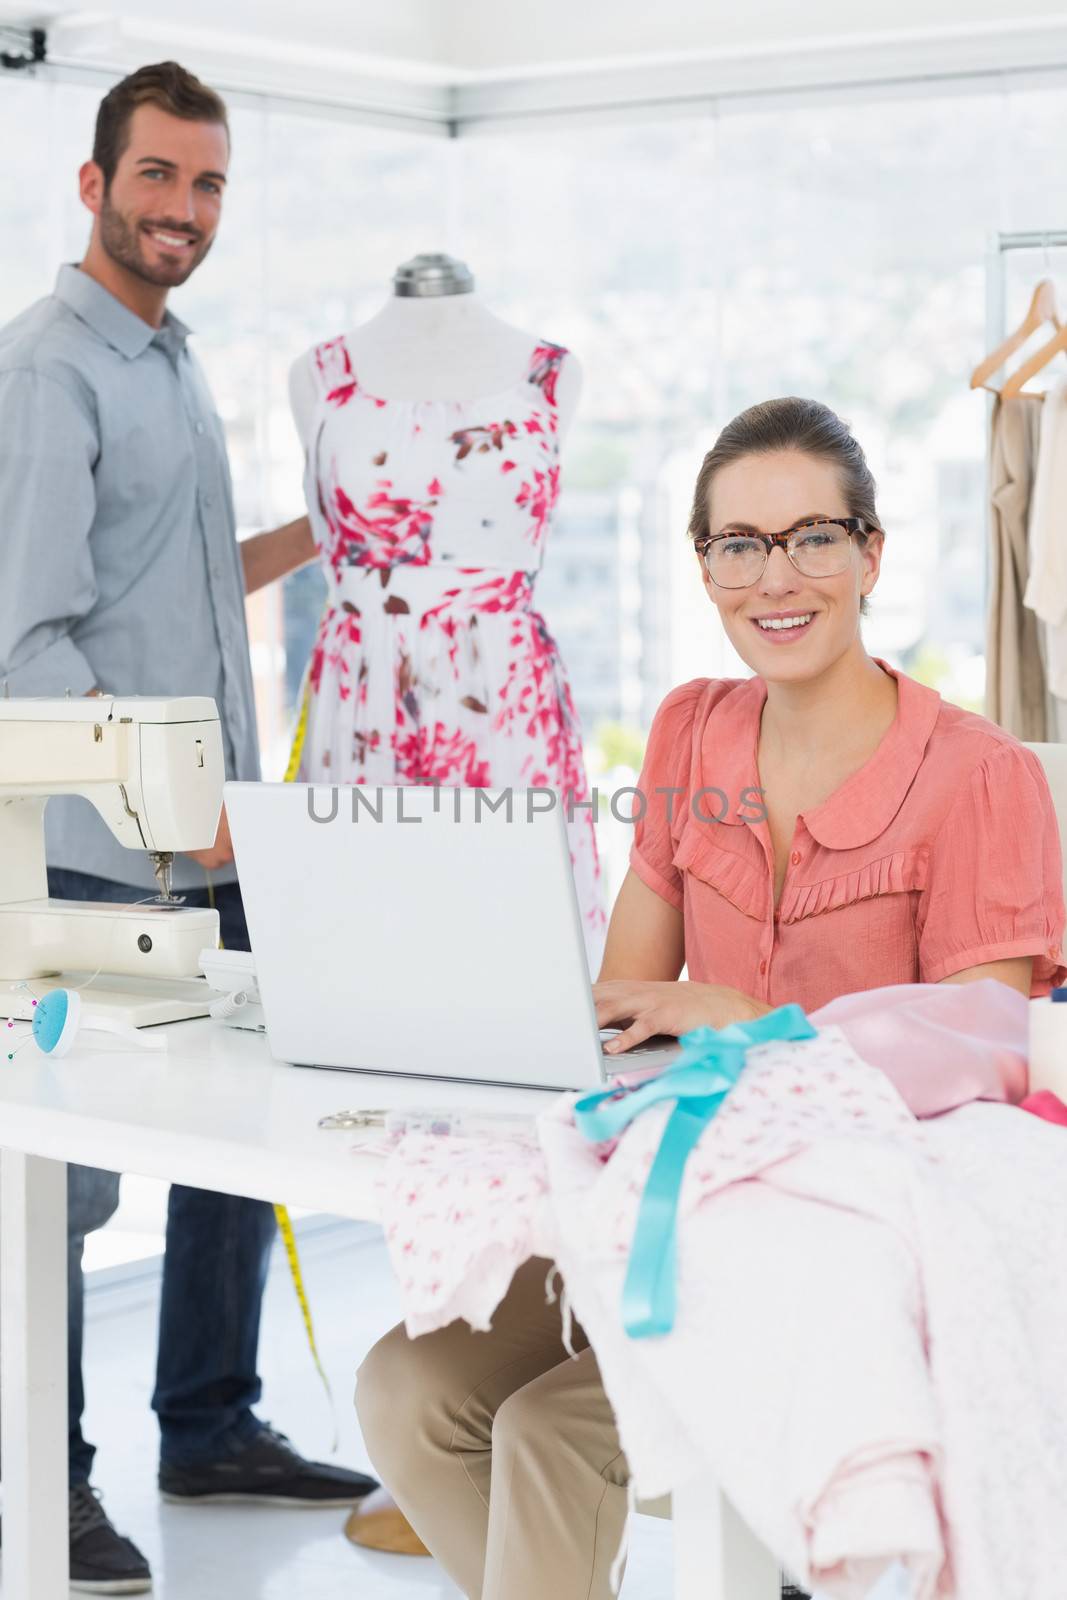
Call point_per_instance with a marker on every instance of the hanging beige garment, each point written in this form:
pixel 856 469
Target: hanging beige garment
pixel 1015 673
pixel 1046 589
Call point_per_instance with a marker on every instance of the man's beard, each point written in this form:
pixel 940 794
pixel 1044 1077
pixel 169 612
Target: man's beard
pixel 122 242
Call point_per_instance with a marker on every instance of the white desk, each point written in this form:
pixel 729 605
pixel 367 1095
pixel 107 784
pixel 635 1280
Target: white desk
pixel 215 1112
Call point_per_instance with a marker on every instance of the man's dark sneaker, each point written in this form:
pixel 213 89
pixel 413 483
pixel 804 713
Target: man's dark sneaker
pixel 101 1560
pixel 267 1472
pixel 791 1591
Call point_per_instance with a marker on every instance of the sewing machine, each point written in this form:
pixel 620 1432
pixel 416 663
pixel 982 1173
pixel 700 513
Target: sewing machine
pixel 154 771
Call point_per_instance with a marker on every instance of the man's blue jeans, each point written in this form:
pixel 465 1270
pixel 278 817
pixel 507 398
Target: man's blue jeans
pixel 214 1270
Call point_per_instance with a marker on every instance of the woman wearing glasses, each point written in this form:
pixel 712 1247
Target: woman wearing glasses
pixel 824 826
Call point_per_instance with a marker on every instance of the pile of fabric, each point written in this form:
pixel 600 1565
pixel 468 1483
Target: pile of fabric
pixel 871 1261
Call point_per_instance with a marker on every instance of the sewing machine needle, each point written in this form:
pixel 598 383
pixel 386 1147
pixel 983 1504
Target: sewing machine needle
pixel 162 861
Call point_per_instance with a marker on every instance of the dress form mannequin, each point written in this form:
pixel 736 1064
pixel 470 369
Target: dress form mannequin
pixel 433 339
pixel 432 461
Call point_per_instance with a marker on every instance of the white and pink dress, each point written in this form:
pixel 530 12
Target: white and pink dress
pixel 431 663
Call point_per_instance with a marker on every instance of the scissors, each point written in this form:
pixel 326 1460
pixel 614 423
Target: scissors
pixel 353 1119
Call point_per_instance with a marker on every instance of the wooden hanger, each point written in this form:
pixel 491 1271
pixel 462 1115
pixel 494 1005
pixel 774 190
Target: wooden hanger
pixel 1039 359
pixel 1042 309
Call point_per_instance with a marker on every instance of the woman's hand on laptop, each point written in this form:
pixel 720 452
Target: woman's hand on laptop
pixel 642 1008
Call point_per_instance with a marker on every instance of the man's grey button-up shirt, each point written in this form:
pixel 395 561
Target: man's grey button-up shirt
pixel 118 550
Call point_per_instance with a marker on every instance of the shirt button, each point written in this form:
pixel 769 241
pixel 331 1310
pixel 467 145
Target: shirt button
pixel 763 966
pixel 795 857
pixel 200 427
pixel 1054 952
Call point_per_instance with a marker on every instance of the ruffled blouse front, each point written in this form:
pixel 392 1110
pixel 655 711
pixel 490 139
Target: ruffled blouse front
pixel 940 853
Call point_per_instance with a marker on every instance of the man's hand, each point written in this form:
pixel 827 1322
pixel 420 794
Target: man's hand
pixel 220 853
pixel 674 1008
pixel 269 556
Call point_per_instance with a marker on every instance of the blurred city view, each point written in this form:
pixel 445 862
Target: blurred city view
pixel 828 245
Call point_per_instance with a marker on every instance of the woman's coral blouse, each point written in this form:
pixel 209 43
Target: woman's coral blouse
pixel 940 853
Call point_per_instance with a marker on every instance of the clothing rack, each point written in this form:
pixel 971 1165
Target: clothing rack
pixel 997 250
pixel 999 246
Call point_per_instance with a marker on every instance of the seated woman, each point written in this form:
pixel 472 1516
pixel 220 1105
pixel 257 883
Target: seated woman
pixel 825 826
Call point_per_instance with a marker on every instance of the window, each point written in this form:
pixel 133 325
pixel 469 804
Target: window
pixel 832 246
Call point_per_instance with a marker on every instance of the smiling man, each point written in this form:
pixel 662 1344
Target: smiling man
pixel 156 215
pixel 121 574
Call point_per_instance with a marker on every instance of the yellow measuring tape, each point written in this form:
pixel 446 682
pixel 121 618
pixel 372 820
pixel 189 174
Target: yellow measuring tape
pixel 300 735
pixel 285 1228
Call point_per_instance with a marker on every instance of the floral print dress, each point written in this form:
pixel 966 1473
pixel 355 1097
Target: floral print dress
pixel 431 664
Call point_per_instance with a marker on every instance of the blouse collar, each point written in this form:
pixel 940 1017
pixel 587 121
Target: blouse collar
pixel 865 804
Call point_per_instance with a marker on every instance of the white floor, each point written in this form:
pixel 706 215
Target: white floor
pixel 244 1553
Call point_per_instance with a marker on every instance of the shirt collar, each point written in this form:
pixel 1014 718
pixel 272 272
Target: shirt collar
pixel 864 805
pixel 126 332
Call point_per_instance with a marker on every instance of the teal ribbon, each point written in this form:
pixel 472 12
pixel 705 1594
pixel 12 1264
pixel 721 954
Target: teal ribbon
pixel 698 1081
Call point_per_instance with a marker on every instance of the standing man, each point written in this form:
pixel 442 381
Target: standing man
pixel 122 575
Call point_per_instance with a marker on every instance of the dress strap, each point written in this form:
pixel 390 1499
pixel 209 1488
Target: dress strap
pixel 545 364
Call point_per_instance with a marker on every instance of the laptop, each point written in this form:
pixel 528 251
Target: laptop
pixel 420 930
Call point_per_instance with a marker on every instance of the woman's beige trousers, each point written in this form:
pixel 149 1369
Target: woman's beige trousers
pixel 501 1450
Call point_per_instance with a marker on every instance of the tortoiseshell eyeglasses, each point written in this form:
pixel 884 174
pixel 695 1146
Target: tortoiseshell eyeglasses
pixel 819 548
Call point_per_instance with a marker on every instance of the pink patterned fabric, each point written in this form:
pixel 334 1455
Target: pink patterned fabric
pixel 868 1349
pixel 460 1216
pixel 431 663
pixel 868 1354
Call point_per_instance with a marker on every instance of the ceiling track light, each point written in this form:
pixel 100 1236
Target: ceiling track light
pixel 32 48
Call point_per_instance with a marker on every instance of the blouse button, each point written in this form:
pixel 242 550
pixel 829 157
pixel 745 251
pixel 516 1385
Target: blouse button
pixel 1054 952
pixel 795 857
pixel 763 966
